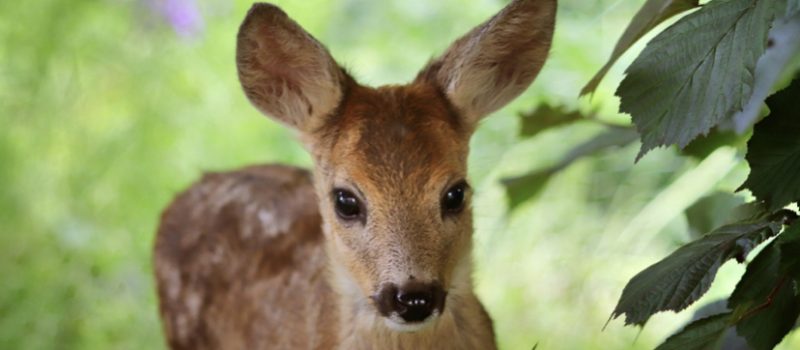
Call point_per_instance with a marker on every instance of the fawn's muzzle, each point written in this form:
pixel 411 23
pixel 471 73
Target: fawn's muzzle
pixel 412 302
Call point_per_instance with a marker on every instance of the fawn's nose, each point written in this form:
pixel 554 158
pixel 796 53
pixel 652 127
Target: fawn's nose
pixel 413 301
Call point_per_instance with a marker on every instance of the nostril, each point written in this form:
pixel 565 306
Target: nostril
pixel 417 301
pixel 414 299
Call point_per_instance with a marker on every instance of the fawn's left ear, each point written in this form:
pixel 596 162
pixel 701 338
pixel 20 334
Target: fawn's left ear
pixel 496 61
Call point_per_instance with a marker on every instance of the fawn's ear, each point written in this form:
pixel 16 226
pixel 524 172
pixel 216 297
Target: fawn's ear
pixel 285 72
pixel 496 61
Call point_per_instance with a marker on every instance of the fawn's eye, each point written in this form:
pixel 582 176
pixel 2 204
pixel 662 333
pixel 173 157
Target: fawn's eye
pixel 453 200
pixel 346 204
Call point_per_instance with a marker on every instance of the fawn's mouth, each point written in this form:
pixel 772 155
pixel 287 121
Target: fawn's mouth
pixel 396 323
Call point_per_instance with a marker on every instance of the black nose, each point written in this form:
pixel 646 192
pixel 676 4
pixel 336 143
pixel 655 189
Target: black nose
pixel 413 301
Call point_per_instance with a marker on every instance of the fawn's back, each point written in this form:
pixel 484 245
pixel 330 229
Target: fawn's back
pixel 374 249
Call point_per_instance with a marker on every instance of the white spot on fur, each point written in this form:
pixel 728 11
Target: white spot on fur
pixel 182 326
pixel 193 301
pixel 271 223
pixel 172 279
pixel 217 255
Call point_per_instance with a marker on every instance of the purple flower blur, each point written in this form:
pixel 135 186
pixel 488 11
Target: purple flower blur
pixel 183 15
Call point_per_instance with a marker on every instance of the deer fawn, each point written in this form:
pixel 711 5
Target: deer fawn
pixel 374 250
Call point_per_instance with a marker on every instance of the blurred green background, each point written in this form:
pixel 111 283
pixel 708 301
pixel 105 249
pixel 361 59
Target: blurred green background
pixel 110 107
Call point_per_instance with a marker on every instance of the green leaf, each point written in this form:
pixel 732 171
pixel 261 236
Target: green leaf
pixel 704 145
pixel 759 279
pixel 774 151
pixel 750 211
pixel 713 210
pixel 697 72
pixel 684 276
pixel 790 249
pixel 521 188
pixel 764 302
pixel 770 321
pixel 792 233
pixel 650 15
pixel 702 334
pixel 767 328
pixel 769 69
pixel 546 117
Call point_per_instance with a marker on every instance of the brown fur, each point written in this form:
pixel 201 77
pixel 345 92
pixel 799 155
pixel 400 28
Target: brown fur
pixel 258 258
pixel 230 249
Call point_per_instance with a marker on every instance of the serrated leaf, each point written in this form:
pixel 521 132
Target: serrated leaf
pixel 545 117
pixel 713 210
pixel 651 14
pixel 521 188
pixel 684 276
pixel 769 68
pixel 764 302
pixel 697 72
pixel 759 278
pixel 702 334
pixel 767 326
pixel 774 151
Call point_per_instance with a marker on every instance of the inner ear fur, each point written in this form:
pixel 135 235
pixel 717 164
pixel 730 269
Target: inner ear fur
pixel 285 72
pixel 496 61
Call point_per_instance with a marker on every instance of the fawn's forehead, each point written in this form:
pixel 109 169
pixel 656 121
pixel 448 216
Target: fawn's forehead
pixel 398 134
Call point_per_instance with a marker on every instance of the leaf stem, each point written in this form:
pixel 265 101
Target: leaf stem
pixel 766 303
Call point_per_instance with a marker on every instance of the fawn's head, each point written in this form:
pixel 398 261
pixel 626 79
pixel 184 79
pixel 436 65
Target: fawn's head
pixel 391 162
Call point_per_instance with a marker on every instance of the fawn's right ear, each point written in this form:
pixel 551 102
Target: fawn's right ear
pixel 285 72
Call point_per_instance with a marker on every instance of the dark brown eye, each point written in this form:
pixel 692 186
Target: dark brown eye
pixel 346 204
pixel 453 200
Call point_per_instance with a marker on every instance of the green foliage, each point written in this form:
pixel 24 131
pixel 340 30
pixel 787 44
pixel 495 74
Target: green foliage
pixel 521 188
pixel 711 211
pixel 652 13
pixel 765 301
pixel 790 248
pixel 756 286
pixel 767 327
pixel 682 278
pixel 769 70
pixel 700 85
pixel 704 145
pixel 765 304
pixel 546 117
pixel 702 334
pixel 697 72
pixel 774 151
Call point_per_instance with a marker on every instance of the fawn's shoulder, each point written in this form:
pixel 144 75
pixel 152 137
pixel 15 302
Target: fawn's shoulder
pixel 231 241
pixel 253 206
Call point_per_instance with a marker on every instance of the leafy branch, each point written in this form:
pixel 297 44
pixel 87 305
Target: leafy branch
pixel 701 84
